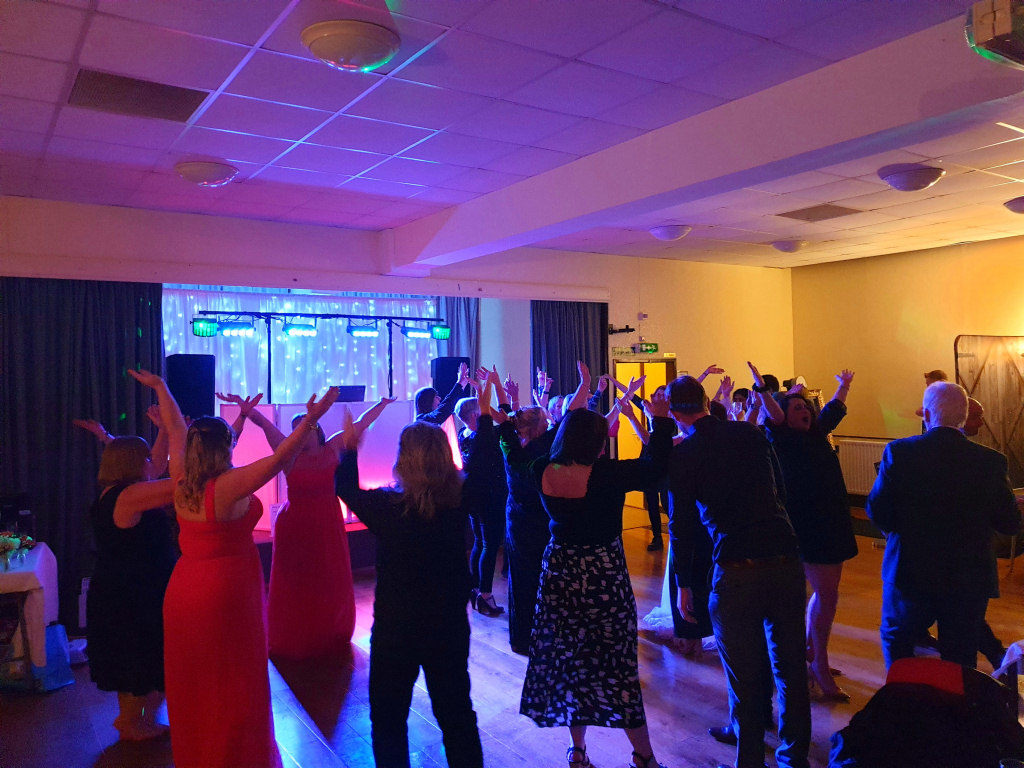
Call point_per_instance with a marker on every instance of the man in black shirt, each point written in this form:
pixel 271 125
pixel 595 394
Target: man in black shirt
pixel 725 476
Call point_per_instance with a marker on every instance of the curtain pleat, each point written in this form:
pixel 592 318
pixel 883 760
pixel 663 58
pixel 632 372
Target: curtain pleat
pixel 463 315
pixel 65 347
pixel 566 331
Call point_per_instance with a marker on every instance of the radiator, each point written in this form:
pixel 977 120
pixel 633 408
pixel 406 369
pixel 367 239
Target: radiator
pixel 857 458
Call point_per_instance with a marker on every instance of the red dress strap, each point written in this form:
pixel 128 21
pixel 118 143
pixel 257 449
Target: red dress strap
pixel 208 503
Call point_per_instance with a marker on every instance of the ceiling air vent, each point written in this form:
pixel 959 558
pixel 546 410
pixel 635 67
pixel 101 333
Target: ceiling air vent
pixel 138 98
pixel 819 212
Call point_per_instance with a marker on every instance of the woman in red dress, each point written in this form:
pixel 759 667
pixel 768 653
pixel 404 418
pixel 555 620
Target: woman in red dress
pixel 311 608
pixel 215 641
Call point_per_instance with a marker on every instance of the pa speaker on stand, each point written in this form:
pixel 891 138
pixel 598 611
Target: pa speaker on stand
pixel 190 380
pixel 445 373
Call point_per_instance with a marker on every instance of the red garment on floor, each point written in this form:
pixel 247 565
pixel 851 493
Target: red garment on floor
pixel 311 608
pixel 215 646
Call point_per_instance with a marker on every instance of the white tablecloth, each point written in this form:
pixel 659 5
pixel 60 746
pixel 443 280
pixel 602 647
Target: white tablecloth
pixel 37 575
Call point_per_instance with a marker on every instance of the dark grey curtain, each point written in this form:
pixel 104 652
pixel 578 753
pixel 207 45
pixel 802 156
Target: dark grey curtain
pixel 564 332
pixel 65 346
pixel 463 315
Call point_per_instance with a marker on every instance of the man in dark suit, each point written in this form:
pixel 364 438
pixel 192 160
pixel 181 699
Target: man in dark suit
pixel 939 496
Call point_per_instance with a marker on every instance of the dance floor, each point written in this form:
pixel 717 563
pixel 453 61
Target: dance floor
pixel 322 715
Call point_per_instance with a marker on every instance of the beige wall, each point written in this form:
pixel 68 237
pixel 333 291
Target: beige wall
pixel 705 313
pixel 891 318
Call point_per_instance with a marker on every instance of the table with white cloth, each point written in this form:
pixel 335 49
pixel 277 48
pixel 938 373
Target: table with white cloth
pixel 35 575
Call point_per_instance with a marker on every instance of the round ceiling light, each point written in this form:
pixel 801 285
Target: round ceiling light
pixel 671 231
pixel 351 45
pixel 910 177
pixel 206 173
pixel 789 246
pixel 1016 205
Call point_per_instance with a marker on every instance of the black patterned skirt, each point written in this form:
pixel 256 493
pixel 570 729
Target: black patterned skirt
pixel 583 653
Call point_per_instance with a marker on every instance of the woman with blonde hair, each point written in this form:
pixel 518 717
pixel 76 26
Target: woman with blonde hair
pixel 135 555
pixel 215 633
pixel 423 586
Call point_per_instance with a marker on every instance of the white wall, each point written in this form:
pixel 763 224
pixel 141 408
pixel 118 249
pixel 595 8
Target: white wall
pixel 505 340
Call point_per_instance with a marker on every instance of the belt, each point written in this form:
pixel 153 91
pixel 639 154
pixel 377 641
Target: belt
pixel 759 562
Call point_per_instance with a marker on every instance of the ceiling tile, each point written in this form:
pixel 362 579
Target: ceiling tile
pixel 588 136
pixel 970 182
pixel 581 89
pixel 797 182
pixel 919 207
pixel 467 151
pixel 867 25
pixel 990 157
pixel 89 174
pixel 670 45
pixel 866 166
pixel 762 67
pixel 123 47
pixel 333 218
pixel 768 20
pixel 381 187
pixel 479 180
pixel 79 149
pixel 667 104
pixel 565 28
pixel 32 28
pixel 415 104
pixel 261 118
pixel 413 171
pixel 31 78
pixel 229 146
pixel 446 196
pixel 164 202
pixel 244 209
pixel 26 114
pixel 516 123
pixel 170 184
pixel 298 81
pixel 240 21
pixel 329 159
pixel 529 161
pixel 368 135
pixel 450 13
pixel 840 190
pixel 980 136
pixel 263 191
pixel 302 177
pixel 475 64
pixel 349 201
pixel 22 143
pixel 287 37
pixel 77 123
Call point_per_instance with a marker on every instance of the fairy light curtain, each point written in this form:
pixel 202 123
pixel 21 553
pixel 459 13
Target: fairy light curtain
pixel 302 365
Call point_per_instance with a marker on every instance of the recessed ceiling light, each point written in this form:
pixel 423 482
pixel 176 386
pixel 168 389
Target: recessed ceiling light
pixel 206 173
pixel 351 45
pixel 910 177
pixel 789 246
pixel 671 231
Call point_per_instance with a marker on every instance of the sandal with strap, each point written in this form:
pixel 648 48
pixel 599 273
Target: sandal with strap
pixel 639 761
pixel 577 757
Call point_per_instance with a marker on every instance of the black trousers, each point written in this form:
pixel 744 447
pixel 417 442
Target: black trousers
pixel 443 654
pixel 527 537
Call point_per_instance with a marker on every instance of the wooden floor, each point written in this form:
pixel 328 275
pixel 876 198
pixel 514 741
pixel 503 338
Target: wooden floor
pixel 322 715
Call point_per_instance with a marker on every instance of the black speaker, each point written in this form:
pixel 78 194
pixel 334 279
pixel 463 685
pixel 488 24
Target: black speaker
pixel 445 373
pixel 190 379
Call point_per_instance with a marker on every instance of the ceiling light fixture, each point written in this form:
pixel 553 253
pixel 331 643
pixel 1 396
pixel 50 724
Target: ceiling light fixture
pixel 671 231
pixel 789 246
pixel 351 45
pixel 910 177
pixel 1016 205
pixel 206 173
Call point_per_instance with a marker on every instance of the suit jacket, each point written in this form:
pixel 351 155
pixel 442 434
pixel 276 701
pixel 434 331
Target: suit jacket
pixel 939 496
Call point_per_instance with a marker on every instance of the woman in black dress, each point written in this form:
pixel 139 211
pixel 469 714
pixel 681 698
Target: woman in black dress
pixel 583 667
pixel 135 555
pixel 819 509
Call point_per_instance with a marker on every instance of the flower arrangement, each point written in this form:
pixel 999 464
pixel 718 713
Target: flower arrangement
pixel 14 545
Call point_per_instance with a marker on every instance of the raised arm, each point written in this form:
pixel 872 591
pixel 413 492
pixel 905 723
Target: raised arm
pixel 171 417
pixel 708 371
pixel 582 393
pixel 95 428
pixel 512 389
pixel 845 378
pixel 245 406
pixel 724 393
pixel 158 454
pixel 627 410
pixel 543 392
pixel 773 410
pixel 239 482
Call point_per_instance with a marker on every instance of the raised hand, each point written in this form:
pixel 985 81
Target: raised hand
pixel 146 378
pixel 153 412
pixel 584 371
pixel 634 386
pixel 229 398
pixel 482 373
pixel 351 433
pixel 463 375
pixel 758 381
pixel 845 378
pixel 511 388
pixel 658 404
pixel 317 408
pixel 93 426
pixel 542 379
pixel 250 402
pixel 709 370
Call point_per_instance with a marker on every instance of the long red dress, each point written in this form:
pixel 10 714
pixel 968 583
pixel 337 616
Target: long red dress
pixel 311 608
pixel 215 646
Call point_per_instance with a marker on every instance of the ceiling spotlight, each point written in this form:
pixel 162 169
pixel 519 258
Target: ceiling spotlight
pixel 350 45
pixel 1016 205
pixel 789 246
pixel 671 231
pixel 411 332
pixel 910 177
pixel 299 329
pixel 206 173
pixel 363 331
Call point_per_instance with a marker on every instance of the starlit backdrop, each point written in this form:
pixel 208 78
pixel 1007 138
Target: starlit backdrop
pixel 302 365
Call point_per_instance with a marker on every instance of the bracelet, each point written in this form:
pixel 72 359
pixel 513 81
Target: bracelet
pixel 312 425
pixel 762 389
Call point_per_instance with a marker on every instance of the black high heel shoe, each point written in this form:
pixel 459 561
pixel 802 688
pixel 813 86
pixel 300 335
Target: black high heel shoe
pixel 639 761
pixel 577 757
